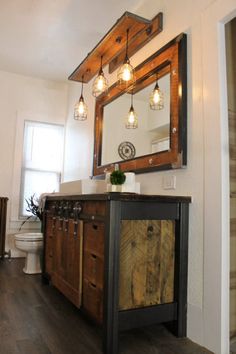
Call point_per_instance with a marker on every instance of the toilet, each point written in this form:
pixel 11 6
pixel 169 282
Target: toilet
pixel 32 245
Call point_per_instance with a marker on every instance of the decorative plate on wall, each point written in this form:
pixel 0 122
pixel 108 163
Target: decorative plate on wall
pixel 126 150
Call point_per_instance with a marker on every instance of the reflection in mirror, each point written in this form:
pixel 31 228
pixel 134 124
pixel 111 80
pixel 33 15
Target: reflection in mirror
pixel 153 132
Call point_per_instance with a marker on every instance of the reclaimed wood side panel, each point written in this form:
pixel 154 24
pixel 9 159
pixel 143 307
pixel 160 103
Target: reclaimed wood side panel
pixel 146 263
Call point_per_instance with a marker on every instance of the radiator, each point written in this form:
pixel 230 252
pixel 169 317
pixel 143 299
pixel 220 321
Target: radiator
pixel 3 219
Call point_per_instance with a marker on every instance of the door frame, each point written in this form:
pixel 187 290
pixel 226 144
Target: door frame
pixel 216 177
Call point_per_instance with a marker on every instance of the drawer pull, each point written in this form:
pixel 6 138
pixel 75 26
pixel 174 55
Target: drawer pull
pixel 60 224
pixel 75 229
pixel 93 256
pixel 66 225
pixel 77 210
pixel 95 227
pixel 53 223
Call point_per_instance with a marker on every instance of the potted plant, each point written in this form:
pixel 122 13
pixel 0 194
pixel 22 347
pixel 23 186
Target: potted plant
pixel 117 178
pixel 33 208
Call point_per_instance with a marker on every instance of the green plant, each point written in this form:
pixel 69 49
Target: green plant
pixel 117 177
pixel 33 208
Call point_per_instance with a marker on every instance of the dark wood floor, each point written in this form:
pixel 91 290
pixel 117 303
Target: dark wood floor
pixel 37 319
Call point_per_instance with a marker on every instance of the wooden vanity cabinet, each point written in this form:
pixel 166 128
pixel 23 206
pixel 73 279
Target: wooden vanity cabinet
pixel 121 258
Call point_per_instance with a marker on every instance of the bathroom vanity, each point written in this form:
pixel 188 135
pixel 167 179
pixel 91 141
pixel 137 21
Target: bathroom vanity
pixel 120 258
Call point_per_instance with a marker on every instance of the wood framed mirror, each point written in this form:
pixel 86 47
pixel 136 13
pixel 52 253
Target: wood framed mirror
pixel 160 141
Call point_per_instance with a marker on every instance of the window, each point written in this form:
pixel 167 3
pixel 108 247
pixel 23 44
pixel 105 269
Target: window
pixel 42 160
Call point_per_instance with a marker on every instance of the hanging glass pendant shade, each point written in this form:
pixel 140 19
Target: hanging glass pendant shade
pixel 132 119
pixel 126 71
pixel 81 109
pixel 100 84
pixel 156 100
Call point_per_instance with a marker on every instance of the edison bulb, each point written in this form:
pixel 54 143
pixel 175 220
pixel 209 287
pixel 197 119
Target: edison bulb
pixel 81 107
pixel 80 110
pixel 100 82
pixel 132 120
pixel 156 96
pixel 126 72
pixel 131 117
pixel 100 85
pixel 156 100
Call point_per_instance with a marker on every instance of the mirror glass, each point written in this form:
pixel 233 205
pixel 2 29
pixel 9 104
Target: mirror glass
pixel 153 132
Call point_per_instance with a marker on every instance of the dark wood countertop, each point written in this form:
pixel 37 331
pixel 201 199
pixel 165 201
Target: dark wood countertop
pixel 122 197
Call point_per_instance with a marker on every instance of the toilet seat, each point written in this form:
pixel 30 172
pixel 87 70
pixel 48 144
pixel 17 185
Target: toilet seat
pixel 29 237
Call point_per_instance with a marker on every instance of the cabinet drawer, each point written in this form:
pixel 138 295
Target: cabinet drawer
pixel 94 238
pixel 93 268
pixel 93 300
pixel 94 208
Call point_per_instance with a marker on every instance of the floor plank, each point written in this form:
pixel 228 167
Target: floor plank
pixel 37 319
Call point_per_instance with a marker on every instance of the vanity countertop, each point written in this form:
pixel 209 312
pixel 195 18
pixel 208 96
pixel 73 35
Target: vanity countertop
pixel 122 197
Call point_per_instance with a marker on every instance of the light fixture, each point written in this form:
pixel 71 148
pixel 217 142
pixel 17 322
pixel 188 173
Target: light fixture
pixel 100 84
pixel 126 72
pixel 81 110
pixel 132 120
pixel 156 100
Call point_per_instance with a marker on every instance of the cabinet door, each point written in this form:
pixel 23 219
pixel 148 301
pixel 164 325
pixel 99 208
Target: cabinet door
pixel 60 253
pixel 74 259
pixel 67 259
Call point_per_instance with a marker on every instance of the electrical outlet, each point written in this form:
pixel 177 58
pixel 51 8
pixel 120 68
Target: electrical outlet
pixel 169 182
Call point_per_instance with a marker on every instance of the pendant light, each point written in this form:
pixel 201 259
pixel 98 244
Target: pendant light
pixel 81 110
pixel 100 84
pixel 132 120
pixel 126 72
pixel 156 100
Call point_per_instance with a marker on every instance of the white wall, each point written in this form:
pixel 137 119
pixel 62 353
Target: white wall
pixel 78 138
pixel 22 98
pixel 206 175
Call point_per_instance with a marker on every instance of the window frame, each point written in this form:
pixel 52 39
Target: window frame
pixel 21 214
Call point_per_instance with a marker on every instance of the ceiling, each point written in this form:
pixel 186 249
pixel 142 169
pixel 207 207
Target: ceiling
pixel 49 38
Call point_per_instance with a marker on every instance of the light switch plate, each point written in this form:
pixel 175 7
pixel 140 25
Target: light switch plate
pixel 169 182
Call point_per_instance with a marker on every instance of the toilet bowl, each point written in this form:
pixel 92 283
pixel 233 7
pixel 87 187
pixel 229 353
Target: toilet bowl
pixel 32 245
